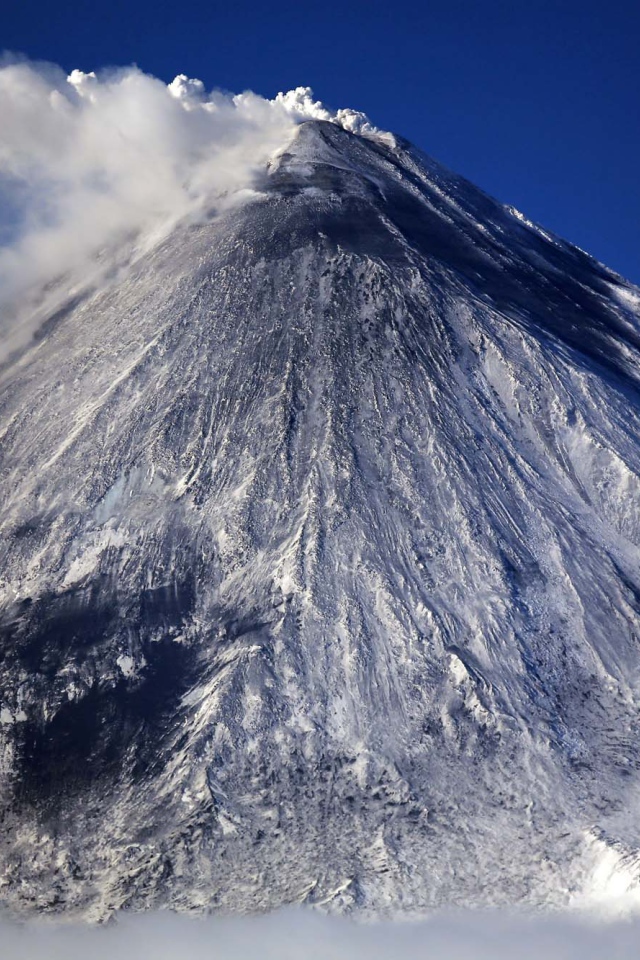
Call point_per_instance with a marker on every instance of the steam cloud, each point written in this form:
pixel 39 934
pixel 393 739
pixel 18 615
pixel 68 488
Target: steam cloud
pixel 298 935
pixel 89 163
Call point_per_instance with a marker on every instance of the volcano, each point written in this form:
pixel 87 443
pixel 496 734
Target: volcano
pixel 320 559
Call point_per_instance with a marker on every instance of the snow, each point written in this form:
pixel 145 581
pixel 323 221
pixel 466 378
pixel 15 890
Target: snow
pixel 627 295
pixel 335 526
pixel 126 664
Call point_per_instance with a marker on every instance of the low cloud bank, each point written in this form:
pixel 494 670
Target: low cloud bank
pixel 89 162
pixel 302 935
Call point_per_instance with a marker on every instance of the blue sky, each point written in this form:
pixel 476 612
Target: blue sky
pixel 535 101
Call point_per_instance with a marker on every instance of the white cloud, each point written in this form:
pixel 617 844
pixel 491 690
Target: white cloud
pixel 89 162
pixel 302 935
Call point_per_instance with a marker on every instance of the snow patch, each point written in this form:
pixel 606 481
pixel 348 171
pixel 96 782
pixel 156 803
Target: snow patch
pixel 126 664
pixel 613 886
pixel 8 717
pixel 628 296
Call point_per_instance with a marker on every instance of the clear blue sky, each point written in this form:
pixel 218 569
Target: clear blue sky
pixel 536 101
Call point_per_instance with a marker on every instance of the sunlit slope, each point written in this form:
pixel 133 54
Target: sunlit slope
pixel 320 558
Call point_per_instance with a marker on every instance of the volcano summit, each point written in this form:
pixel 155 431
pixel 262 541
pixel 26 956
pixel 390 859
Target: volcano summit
pixel 320 558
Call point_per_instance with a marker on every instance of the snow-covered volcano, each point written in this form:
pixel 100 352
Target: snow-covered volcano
pixel 320 558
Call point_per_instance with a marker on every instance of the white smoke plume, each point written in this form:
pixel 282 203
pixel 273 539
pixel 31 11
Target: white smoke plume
pixel 301 935
pixel 89 162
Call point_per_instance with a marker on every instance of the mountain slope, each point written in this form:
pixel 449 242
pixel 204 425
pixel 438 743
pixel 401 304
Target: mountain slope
pixel 320 558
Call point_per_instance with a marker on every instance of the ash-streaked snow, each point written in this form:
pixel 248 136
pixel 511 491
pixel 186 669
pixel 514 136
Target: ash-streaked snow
pixel 320 558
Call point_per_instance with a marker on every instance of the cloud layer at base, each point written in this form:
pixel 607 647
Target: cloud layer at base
pixel 303 935
pixel 89 162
